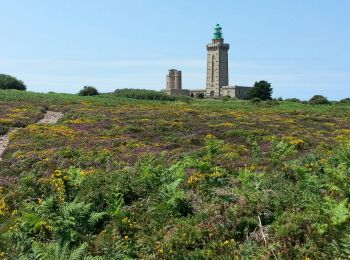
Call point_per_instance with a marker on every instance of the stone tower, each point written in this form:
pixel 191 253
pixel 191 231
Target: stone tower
pixel 173 80
pixel 217 64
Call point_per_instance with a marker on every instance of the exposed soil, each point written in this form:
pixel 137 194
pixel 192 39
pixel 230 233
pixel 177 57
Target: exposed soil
pixel 4 141
pixel 50 117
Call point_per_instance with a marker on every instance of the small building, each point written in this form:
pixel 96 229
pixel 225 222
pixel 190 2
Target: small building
pixel 238 92
pixel 197 93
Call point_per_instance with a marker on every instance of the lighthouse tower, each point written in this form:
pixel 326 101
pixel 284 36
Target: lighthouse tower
pixel 217 64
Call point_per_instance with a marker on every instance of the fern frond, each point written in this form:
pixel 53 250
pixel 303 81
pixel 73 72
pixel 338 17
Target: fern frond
pixel 119 204
pixel 96 258
pixel 340 213
pixel 78 253
pixel 96 217
pixel 75 208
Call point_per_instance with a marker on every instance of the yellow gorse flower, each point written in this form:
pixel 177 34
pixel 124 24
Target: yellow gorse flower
pixel 210 136
pixel 58 180
pixel 3 207
pixel 87 172
pixel 195 178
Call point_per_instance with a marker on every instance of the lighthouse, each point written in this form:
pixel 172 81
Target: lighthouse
pixel 217 64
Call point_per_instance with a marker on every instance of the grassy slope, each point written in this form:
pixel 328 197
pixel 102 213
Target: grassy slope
pixel 157 179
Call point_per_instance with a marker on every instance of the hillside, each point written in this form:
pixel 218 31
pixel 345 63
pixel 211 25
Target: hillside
pixel 118 178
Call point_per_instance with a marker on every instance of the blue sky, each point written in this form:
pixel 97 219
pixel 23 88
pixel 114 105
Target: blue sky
pixel 302 46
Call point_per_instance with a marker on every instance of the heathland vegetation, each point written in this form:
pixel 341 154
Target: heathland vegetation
pixel 129 176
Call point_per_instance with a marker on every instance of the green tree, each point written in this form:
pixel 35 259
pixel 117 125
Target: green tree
pixel 88 91
pixel 319 100
pixel 9 82
pixel 262 90
pixel 345 101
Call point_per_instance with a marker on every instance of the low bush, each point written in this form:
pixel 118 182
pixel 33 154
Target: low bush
pixel 255 100
pixel 226 98
pixel 148 95
pixel 297 100
pixel 271 103
pixel 318 100
pixel 88 91
pixel 345 101
pixel 200 95
pixel 9 82
pixel 3 129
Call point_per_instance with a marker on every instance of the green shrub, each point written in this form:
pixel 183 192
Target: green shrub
pixel 200 95
pixel 297 100
pixel 9 82
pixel 345 101
pixel 133 129
pixel 271 103
pixel 256 100
pixel 148 95
pixel 318 100
pixel 88 91
pixel 226 98
pixel 3 129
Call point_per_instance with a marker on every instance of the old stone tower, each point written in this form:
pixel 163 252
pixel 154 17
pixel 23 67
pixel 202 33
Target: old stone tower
pixel 174 83
pixel 217 64
pixel 173 80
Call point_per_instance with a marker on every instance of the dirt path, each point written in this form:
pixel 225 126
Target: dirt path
pixel 4 141
pixel 50 117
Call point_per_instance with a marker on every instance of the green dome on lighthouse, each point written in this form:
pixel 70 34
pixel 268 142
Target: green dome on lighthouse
pixel 217 32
